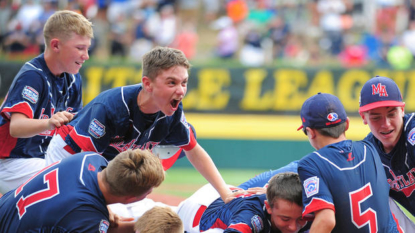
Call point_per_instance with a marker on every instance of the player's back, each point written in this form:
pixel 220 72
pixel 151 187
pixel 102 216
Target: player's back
pixel 62 198
pixel 350 176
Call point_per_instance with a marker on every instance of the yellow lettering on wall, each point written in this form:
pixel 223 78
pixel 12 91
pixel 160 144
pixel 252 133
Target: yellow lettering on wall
pixel 349 86
pixel 212 95
pixel 92 88
pixel 287 94
pixel 252 99
pixel 322 82
pixel 119 76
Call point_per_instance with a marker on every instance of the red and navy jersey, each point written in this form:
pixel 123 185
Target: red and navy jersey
pixel 63 197
pixel 38 94
pixel 245 213
pixel 399 164
pixel 242 214
pixel 348 178
pixel 112 122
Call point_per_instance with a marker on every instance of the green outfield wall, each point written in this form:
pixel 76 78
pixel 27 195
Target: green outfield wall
pixel 247 117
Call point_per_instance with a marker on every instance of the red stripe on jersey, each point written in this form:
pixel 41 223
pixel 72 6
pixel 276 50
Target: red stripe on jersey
pixel 167 163
pixel 397 223
pixel 85 143
pixel 198 215
pixel 192 142
pixel 242 227
pixel 219 224
pixel 7 142
pixel 22 107
pixel 317 204
pixel 408 190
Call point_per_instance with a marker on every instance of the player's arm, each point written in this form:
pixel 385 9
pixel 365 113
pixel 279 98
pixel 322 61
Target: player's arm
pixel 200 159
pixel 21 126
pixel 324 221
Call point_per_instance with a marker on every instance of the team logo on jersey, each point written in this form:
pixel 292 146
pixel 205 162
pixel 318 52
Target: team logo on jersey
pixel 311 186
pixel 257 224
pixel 103 226
pixel 332 116
pixel 411 136
pixel 30 94
pixel 379 89
pixel 96 129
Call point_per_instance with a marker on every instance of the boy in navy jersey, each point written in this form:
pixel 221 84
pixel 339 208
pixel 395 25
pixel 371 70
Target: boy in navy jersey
pixel 144 116
pixel 393 135
pixel 72 195
pixel 44 95
pixel 344 183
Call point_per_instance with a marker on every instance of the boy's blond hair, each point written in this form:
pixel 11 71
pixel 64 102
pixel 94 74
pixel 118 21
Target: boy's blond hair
pixel 133 173
pixel 62 23
pixel 159 220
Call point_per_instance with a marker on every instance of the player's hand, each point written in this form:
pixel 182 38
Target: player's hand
pixel 116 220
pixel 59 119
pixel 234 194
pixel 257 190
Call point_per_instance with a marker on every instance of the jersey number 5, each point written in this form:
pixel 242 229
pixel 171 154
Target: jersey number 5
pixel 52 189
pixel 368 216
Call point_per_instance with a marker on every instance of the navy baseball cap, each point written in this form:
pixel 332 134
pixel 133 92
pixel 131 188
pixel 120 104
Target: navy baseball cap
pixel 322 111
pixel 380 92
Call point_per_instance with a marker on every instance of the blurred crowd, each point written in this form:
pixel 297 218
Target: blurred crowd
pixel 351 33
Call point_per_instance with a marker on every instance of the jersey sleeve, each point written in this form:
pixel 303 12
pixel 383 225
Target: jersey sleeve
pixel 316 195
pixel 86 219
pixel 92 130
pixel 247 220
pixel 262 179
pixel 24 95
pixel 181 134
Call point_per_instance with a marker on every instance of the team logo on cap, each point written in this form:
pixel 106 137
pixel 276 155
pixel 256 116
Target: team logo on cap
pixel 332 116
pixel 379 89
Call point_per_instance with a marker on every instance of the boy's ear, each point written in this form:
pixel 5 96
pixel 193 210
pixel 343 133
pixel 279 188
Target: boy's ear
pixel 347 124
pixel 147 85
pixel 362 114
pixel 267 206
pixel 54 44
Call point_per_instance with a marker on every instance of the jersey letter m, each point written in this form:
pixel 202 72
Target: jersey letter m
pixel 379 90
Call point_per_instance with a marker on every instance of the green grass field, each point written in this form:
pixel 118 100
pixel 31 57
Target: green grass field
pixel 183 182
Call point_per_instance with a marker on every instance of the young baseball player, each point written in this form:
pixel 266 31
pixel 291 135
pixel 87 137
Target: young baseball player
pixel 279 210
pixel 393 136
pixel 72 195
pixel 159 220
pixel 44 96
pixel 143 116
pixel 344 184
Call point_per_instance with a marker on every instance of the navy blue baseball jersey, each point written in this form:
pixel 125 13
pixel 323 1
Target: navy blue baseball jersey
pixel 246 213
pixel 399 164
pixel 348 178
pixel 243 214
pixel 38 94
pixel 63 197
pixel 112 122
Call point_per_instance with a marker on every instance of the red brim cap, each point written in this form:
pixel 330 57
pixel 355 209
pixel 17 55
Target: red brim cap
pixel 379 104
pixel 300 127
